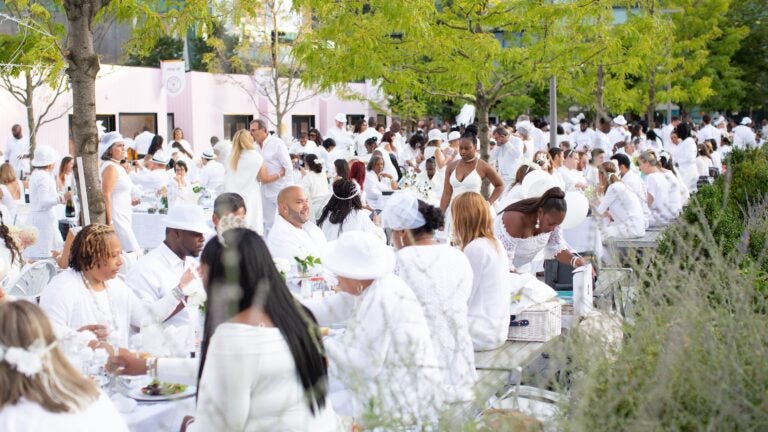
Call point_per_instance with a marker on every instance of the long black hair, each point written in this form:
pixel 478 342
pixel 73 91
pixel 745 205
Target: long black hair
pixel 342 168
pixel 5 235
pixel 345 198
pixel 243 261
pixel 155 145
pixel 552 200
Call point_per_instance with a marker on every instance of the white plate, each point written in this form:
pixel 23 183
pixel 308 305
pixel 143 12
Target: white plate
pixel 139 396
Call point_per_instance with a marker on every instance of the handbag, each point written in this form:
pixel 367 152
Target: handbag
pixel 583 287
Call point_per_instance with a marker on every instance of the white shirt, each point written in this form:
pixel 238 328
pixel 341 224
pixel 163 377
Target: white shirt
pixel 309 148
pixel 617 134
pixel 151 180
pixel 343 140
pixel 286 241
pixel 624 206
pixel 508 157
pixel 659 188
pixel 276 156
pixel 356 220
pixel 143 141
pixel 25 415
pixel 540 139
pixel 444 296
pixel 666 135
pixel 489 300
pixel 602 142
pixel 386 352
pixel 635 184
pixel 430 190
pixel 373 188
pixel 212 175
pixel 684 154
pixel 582 141
pixel 154 277
pixel 709 132
pixel 743 137
pixel 267 396
pixel 14 149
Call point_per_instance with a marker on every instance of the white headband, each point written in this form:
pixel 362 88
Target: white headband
pixel 356 193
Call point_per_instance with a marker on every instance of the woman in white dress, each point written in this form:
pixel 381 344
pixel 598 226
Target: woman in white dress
pixel 47 394
pixel 263 326
pixel 117 188
pixel 11 192
pixel 422 264
pixel 704 161
pixel 660 190
pixel 315 184
pixel 376 182
pixel 685 151
pixel 246 173
pixel 43 197
pixel 344 212
pixel 383 366
pixel 489 300
pixel 90 296
pixel 620 208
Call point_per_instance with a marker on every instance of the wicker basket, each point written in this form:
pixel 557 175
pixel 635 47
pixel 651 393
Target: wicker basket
pixel 544 323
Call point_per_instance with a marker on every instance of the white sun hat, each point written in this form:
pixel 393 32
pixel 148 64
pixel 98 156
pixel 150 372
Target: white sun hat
pixel 620 120
pixel 435 135
pixel 44 156
pixel 187 217
pixel 107 140
pixel 402 212
pixel 340 117
pixel 746 120
pixel 359 255
pixel 454 135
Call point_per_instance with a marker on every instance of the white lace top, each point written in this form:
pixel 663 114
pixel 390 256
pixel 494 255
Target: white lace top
pixel 521 251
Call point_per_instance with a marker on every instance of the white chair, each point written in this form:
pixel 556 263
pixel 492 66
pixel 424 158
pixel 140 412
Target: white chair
pixel 32 280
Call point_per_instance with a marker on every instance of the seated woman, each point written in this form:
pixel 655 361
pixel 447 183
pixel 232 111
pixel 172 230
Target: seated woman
pixel 47 394
pixel 384 365
pixel 377 181
pixel 422 264
pixel 488 313
pixel 89 296
pixel 179 188
pixel 344 212
pixel 620 208
pixel 286 387
pixel 659 189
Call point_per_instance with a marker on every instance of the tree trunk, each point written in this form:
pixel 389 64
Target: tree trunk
pixel 30 92
pixel 482 107
pixel 83 67
pixel 599 94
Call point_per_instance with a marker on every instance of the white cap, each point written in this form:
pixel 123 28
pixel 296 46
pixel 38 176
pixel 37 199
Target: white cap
pixel 107 140
pixel 160 158
pixel 44 156
pixel 187 217
pixel 454 135
pixel 359 255
pixel 340 117
pixel 746 120
pixel 435 135
pixel 208 154
pixel 620 120
pixel 402 212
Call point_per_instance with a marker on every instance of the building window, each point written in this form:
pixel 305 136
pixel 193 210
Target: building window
pixel 132 124
pixel 235 122
pixel 301 124
pixel 352 119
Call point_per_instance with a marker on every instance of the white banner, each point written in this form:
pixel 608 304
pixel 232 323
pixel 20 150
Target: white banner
pixel 174 80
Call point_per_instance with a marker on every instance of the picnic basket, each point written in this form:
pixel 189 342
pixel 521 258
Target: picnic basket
pixel 544 322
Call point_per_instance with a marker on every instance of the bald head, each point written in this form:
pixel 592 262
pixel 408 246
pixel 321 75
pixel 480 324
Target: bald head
pixel 293 205
pixel 16 131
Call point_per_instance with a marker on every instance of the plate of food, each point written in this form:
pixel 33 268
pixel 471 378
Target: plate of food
pixel 161 391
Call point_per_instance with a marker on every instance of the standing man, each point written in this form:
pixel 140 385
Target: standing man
pixel 743 135
pixel 276 157
pixel 345 145
pixel 17 152
pixel 507 155
pixel 708 131
pixel 583 139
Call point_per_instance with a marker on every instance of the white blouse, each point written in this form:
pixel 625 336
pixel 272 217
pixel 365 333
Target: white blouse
pixel 374 188
pixel 490 297
pixel 521 251
pixel 625 209
pixel 385 354
pixel 659 188
pixel 356 220
pixel 444 296
pixel 26 415
pixel 266 396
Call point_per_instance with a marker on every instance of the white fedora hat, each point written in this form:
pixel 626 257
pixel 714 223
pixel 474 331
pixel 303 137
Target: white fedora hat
pixel 620 120
pixel 44 156
pixel 208 154
pixel 359 255
pixel 107 140
pixel 454 135
pixel 160 158
pixel 340 117
pixel 187 217
pixel 435 135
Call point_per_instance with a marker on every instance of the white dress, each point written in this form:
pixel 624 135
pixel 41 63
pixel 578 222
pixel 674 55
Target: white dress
pixel 266 396
pixel 489 300
pixel 444 296
pixel 470 183
pixel 659 187
pixel 122 211
pixel 316 187
pixel 243 181
pixel 11 203
pixel 43 197
pixel 356 220
pixel 385 356
pixel 684 155
pixel 626 211
pixel 26 415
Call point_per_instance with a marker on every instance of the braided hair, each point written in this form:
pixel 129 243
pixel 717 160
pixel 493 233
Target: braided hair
pixel 89 248
pixel 345 198
pixel 5 234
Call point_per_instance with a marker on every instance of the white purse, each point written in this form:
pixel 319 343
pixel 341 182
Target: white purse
pixel 583 301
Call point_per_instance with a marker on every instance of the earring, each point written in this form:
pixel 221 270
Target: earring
pixel 537 223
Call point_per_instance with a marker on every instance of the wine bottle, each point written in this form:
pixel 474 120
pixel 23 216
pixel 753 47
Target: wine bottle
pixel 69 207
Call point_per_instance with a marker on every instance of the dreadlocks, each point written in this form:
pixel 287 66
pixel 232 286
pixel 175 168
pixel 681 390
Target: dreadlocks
pixel 90 247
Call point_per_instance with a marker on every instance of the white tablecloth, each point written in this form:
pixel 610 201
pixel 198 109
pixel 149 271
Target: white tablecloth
pixel 159 416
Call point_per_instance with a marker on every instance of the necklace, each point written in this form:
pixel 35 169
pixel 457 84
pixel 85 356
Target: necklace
pixel 109 317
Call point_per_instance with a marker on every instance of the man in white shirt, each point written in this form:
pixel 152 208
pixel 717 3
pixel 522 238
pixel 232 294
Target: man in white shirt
pixel 303 146
pixel 165 271
pixel 293 235
pixel 340 136
pixel 743 135
pixel 707 131
pixel 212 173
pixel 633 182
pixel 666 132
pixel 430 182
pixel 619 132
pixel 155 176
pixel 507 155
pixel 276 157
pixel 17 151
pixel 143 141
pixel 583 139
pixel 601 136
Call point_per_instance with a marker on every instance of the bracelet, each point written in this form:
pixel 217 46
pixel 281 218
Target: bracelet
pixel 151 365
pixel 574 258
pixel 178 293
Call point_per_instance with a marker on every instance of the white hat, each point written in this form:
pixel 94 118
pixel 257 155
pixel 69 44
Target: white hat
pixel 620 120
pixel 720 120
pixel 359 255
pixel 435 135
pixel 107 140
pixel 44 156
pixel 187 217
pixel 208 154
pixel 525 126
pixel 160 158
pixel 402 212
pixel 746 120
pixel 340 117
pixel 454 135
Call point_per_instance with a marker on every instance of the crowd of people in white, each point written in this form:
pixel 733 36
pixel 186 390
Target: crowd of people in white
pixel 387 212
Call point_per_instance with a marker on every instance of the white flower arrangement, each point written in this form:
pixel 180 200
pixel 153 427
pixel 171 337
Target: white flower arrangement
pixel 196 296
pixel 283 266
pixel 27 361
